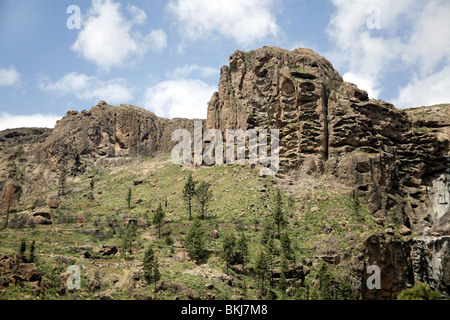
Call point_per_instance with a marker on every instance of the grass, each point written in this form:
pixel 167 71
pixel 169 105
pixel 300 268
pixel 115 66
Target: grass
pixel 238 205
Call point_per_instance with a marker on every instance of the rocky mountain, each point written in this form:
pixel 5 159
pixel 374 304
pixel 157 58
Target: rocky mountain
pixel 331 136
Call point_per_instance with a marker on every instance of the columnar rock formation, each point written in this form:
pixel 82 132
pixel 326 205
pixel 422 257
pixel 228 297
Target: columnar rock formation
pixel 331 133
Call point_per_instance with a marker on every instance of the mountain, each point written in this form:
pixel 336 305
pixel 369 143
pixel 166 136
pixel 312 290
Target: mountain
pixel 335 144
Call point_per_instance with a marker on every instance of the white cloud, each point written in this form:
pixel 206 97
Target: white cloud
pixel 139 16
pixel 10 121
pixel 107 37
pixel 187 70
pixel 186 98
pixel 366 83
pixel 244 21
pixel 427 91
pixel 414 37
pixel 9 77
pixel 157 39
pixel 89 88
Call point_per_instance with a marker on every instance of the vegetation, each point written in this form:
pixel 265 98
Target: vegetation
pixel 195 241
pixel 203 195
pixel 421 291
pixel 252 242
pixel 158 218
pixel 189 193
pixel 130 238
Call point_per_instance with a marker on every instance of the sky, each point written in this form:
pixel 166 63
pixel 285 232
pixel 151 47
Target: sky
pixel 165 56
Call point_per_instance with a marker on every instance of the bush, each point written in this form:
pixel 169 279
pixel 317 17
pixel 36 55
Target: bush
pixel 421 291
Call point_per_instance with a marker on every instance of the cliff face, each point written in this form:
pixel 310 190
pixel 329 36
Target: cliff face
pixel 108 132
pixel 104 135
pixel 331 134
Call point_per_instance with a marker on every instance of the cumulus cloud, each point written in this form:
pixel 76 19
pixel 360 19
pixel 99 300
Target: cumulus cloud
pixel 244 21
pixel 187 70
pixel 87 87
pixel 10 121
pixel 185 98
pixel 107 38
pixel 425 91
pixel 9 77
pixel 412 37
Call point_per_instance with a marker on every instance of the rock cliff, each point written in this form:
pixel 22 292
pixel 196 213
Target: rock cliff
pixel 332 134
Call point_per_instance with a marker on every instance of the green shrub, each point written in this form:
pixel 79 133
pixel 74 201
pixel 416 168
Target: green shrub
pixel 421 291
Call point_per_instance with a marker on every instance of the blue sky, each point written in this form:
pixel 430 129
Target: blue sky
pixel 165 56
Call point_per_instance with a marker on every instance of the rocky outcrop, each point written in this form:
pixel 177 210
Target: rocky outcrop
pixel 42 216
pixel 391 255
pixel 107 132
pixel 430 258
pixel 105 136
pixel 331 133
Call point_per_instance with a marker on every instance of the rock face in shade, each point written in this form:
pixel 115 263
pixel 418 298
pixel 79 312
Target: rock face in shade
pixel 332 134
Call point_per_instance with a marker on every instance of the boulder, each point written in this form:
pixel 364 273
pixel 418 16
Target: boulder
pixel 53 204
pixel 107 250
pixel 42 216
pixel 81 218
pixel 404 230
pixel 214 234
pixel 28 272
pixel 183 290
pixel 138 181
pixel 331 258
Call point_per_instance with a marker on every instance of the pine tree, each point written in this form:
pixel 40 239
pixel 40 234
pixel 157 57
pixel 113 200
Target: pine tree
pixel 262 267
pixel 268 232
pixel 203 195
pixel 23 247
pixel 278 212
pixel 149 259
pixel 324 282
pixel 195 241
pixel 345 290
pixel 130 238
pixel 158 218
pixel 228 253
pixel 286 245
pixel 129 198
pixel 189 193
pixel 242 250
pixel 271 253
pixel 156 273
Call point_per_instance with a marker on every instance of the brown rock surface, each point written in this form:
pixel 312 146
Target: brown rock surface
pixel 331 133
